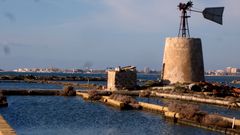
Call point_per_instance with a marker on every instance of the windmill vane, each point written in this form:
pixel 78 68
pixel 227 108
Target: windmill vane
pixel 213 14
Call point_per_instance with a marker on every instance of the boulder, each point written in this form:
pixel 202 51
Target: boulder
pixel 68 91
pixel 194 87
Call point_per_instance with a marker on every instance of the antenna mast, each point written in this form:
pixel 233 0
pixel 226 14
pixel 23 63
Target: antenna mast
pixel 184 28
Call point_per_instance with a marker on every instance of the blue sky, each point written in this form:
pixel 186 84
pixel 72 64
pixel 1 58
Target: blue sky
pixel 108 33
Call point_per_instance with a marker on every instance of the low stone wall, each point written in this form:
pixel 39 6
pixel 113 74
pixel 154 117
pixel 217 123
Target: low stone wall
pixel 197 99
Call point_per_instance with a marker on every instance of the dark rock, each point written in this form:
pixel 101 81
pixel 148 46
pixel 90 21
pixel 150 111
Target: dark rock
pixel 3 101
pixel 178 88
pixel 123 98
pixel 68 91
pixel 216 121
pixel 94 95
pixel 194 87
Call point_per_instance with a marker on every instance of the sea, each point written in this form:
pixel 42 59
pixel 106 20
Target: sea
pixel 57 115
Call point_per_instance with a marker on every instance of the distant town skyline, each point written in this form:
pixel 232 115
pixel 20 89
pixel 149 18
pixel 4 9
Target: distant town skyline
pixel 224 71
pixel 109 33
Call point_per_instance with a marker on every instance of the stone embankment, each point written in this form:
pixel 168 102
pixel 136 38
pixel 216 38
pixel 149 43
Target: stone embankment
pixel 62 83
pixel 168 94
pixel 181 113
pixel 230 102
pixel 212 93
pixel 113 99
pixel 162 92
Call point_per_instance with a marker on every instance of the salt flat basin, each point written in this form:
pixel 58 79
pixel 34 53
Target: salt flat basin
pixel 72 116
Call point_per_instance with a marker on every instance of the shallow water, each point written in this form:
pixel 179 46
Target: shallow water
pixel 47 115
pixel 23 85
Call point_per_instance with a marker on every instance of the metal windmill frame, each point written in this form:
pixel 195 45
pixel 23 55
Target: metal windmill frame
pixel 213 14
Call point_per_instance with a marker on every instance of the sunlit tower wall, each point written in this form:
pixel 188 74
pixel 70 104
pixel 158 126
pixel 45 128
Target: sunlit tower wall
pixel 183 60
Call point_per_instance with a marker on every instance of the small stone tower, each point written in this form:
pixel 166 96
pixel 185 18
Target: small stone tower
pixel 122 78
pixel 183 60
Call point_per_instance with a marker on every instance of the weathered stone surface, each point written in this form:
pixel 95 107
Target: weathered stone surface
pixel 183 60
pixel 122 78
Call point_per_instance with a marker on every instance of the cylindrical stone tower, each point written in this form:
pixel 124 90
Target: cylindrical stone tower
pixel 183 60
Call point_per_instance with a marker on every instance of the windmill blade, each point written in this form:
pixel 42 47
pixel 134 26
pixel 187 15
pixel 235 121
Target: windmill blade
pixel 214 14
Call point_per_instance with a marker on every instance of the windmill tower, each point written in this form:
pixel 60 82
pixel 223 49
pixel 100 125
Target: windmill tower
pixel 183 57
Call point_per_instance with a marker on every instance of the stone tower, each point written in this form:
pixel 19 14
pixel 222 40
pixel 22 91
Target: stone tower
pixel 183 60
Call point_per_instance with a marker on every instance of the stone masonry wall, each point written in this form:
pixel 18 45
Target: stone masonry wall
pixel 120 80
pixel 183 60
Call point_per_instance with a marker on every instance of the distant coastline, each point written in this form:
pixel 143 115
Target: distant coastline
pixel 224 75
pixel 105 72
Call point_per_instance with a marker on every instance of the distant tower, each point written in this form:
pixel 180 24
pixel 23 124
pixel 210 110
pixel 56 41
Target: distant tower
pixel 183 58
